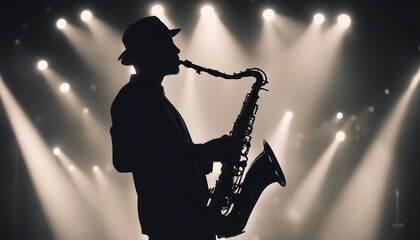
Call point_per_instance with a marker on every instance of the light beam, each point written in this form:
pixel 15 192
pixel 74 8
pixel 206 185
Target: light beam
pixel 357 214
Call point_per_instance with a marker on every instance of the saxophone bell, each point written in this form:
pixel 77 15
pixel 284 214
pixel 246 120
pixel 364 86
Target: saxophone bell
pixel 263 171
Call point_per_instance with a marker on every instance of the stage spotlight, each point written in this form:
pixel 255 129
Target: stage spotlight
pixel 319 18
pixel 157 10
pixel 344 20
pixel 340 115
pixel 340 136
pixel 85 110
pixel 289 114
pixel 61 23
pixel 95 168
pixel 86 15
pixel 71 168
pixel 42 65
pixel 56 151
pixel 386 91
pixel 64 87
pixel 207 11
pixel 268 14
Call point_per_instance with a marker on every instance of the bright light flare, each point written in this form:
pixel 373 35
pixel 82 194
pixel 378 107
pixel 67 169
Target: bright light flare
pixel 42 65
pixel 95 168
pixel 268 14
pixel 86 15
pixel 157 10
pixel 340 115
pixel 340 136
pixel 85 110
pixel 61 23
pixel 344 20
pixel 64 87
pixel 56 151
pixel 132 70
pixel 207 11
pixel 71 168
pixel 319 18
pixel 288 114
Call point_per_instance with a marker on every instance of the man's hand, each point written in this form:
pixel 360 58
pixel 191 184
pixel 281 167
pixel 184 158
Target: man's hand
pixel 223 149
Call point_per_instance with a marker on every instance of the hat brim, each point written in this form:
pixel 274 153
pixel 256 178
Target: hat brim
pixel 123 56
pixel 174 32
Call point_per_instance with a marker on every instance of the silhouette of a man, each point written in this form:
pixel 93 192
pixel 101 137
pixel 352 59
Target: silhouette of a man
pixel 151 140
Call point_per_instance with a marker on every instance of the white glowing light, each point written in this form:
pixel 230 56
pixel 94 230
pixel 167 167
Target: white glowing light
pixel 64 87
pixel 340 115
pixel 86 15
pixel 319 18
pixel 157 10
pixel 95 168
pixel 61 23
pixel 85 110
pixel 207 11
pixel 132 70
pixel 42 65
pixel 344 20
pixel 386 91
pixel 371 109
pixel 340 136
pixel 288 114
pixel 71 168
pixel 56 151
pixel 268 14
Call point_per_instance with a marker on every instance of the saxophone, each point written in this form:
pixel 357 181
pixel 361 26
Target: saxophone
pixel 232 200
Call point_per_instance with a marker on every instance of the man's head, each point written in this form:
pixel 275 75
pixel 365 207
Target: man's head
pixel 149 46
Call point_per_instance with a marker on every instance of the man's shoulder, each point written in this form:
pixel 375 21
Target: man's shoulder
pixel 129 93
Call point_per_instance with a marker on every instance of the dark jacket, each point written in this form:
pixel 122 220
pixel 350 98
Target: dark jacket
pixel 150 140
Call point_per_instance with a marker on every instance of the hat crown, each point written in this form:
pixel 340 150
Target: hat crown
pixel 143 29
pixel 141 33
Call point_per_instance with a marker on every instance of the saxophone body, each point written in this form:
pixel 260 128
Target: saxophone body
pixel 234 196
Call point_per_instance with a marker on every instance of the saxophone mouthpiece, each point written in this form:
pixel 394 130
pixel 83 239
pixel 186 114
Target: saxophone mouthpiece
pixel 185 62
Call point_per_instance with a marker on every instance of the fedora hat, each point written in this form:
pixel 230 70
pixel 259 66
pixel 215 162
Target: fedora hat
pixel 141 32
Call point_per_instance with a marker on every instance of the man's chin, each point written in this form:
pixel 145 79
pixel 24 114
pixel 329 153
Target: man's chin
pixel 173 71
pixel 176 70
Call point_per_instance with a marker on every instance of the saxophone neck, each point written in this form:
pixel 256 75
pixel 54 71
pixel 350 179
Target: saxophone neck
pixel 257 73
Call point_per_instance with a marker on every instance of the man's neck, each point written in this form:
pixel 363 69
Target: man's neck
pixel 153 77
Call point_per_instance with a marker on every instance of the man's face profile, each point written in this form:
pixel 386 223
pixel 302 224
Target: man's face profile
pixel 161 54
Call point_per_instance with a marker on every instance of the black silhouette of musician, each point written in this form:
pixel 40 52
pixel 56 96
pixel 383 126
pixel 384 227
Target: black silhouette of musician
pixel 150 139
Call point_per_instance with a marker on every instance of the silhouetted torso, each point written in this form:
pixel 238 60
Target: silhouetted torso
pixel 150 140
